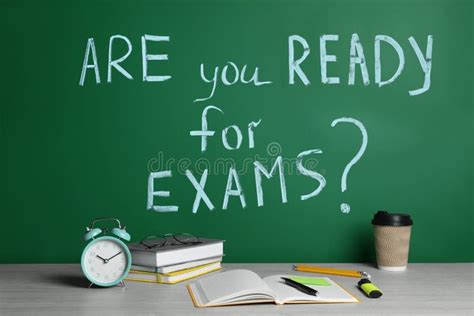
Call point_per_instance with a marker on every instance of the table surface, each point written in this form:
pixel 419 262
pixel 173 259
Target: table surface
pixel 59 289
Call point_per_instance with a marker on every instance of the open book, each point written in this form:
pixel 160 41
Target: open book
pixel 238 287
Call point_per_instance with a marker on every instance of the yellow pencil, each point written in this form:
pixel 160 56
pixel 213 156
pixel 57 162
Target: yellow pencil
pixel 333 271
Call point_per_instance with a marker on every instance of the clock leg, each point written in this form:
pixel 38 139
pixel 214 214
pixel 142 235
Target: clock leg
pixel 91 285
pixel 122 284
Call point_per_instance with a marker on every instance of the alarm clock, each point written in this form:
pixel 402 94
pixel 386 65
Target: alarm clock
pixel 106 260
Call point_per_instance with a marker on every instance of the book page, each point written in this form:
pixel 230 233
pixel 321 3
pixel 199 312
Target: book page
pixel 327 293
pixel 234 285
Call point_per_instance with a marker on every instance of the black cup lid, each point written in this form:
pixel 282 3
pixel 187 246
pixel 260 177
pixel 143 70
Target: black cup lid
pixel 384 218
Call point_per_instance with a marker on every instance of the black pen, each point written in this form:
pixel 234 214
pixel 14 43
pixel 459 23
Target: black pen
pixel 300 287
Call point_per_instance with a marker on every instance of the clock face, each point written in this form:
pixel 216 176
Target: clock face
pixel 106 261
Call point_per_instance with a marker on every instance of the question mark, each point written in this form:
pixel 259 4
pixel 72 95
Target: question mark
pixel 346 208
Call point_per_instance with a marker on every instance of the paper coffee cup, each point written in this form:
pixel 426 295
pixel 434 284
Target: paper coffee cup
pixel 392 240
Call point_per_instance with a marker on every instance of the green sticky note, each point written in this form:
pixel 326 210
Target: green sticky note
pixel 311 281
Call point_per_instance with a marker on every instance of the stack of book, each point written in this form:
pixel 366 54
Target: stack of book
pixel 173 263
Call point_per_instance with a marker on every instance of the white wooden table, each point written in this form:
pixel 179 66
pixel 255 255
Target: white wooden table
pixel 60 289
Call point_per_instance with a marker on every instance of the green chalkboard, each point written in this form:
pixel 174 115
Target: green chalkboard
pixel 73 149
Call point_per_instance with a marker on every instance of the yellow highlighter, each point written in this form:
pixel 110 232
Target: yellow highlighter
pixel 369 288
pixel 333 271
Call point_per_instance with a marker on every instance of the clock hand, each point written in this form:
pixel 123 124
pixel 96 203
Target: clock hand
pixel 114 256
pixel 105 260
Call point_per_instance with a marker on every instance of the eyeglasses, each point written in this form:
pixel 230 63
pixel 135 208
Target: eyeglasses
pixel 150 242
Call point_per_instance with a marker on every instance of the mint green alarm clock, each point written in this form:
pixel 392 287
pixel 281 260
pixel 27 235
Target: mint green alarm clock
pixel 106 260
